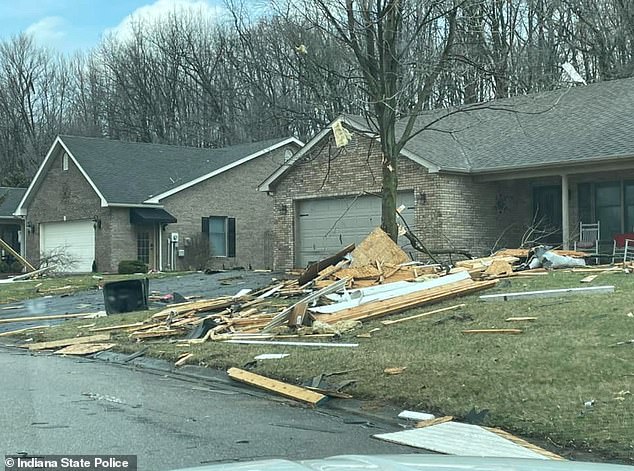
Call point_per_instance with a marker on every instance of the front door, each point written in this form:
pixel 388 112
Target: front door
pixel 146 245
pixel 547 214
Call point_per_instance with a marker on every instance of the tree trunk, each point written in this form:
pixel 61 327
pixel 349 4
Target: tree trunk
pixel 390 183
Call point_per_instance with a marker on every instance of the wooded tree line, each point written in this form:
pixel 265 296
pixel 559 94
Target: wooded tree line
pixel 192 81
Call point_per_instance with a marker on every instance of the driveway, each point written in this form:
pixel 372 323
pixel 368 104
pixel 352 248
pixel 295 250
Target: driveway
pixel 217 284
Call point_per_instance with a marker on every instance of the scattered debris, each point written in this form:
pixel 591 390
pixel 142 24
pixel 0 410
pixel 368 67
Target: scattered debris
pixel 271 356
pixel 19 331
pixel 424 314
pixel 411 415
pixel 67 342
pixel 84 348
pixel 287 390
pixel 492 331
pixel 520 319
pixel 292 344
pixel 184 358
pixel 625 342
pixel 435 421
pixel 395 370
pixel 456 438
pixel 378 247
pixel 550 260
pixel 588 279
pixel 548 293
pixel 46 318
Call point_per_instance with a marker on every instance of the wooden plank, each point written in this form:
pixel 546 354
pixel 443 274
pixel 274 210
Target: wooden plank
pixel 424 314
pixel 278 387
pixel 44 318
pixel 548 293
pixel 157 333
pixel 71 341
pixel 17 256
pixel 293 344
pixel 183 359
pixel 378 309
pixel 297 315
pixel 588 279
pixel 378 246
pixel 492 331
pixel 26 276
pixel 520 319
pixel 117 327
pixel 19 331
pixel 84 348
pixel 436 421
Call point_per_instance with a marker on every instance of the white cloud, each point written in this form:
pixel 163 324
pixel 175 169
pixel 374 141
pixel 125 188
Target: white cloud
pixel 48 30
pixel 161 9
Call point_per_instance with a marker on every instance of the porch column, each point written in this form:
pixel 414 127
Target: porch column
pixel 565 212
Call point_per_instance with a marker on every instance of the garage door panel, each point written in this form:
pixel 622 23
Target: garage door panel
pixel 75 239
pixel 325 225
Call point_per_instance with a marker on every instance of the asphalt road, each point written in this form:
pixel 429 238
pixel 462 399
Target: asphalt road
pixel 58 405
pixel 92 300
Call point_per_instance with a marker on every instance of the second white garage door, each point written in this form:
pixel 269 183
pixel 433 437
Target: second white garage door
pixel 75 239
pixel 326 225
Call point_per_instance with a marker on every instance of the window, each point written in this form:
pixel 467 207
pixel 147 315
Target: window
pixel 547 212
pixel 608 208
pixel 65 161
pixel 222 235
pixel 143 246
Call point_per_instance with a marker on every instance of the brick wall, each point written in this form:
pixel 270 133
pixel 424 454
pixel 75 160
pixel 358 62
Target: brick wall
pixel 67 194
pixel 451 210
pixel 232 194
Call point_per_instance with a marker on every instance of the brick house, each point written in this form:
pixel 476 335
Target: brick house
pixel 102 201
pixel 11 227
pixel 474 180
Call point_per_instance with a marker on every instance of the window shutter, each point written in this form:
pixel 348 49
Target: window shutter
pixel 231 237
pixel 205 225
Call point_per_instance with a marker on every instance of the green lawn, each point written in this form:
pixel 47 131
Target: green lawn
pixel 61 284
pixel 534 384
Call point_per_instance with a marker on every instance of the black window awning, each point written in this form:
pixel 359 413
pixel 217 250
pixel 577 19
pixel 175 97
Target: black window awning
pixel 150 216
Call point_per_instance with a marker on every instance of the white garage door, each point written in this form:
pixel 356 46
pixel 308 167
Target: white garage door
pixel 74 239
pixel 326 225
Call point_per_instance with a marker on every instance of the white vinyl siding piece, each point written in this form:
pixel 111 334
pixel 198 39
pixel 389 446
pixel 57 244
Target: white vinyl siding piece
pixel 455 438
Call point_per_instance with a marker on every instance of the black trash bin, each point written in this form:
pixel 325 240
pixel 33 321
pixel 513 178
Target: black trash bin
pixel 126 295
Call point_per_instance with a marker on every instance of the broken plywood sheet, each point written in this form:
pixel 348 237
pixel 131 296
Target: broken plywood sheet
pixel 378 247
pixel 84 348
pixel 455 438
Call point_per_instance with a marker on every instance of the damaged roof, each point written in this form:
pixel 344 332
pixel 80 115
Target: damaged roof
pixel 9 200
pixel 570 125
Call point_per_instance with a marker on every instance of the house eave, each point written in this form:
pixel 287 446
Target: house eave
pixel 608 162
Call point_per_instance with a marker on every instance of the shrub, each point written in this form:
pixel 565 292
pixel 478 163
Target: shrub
pixel 132 266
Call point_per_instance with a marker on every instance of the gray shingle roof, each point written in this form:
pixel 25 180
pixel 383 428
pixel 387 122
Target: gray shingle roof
pixel 130 172
pixel 558 127
pixel 9 200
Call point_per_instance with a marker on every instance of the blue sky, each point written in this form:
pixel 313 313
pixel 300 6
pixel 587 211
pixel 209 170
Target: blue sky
pixel 71 25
